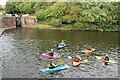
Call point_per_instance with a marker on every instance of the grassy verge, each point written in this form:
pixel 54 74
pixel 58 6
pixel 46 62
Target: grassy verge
pixel 43 26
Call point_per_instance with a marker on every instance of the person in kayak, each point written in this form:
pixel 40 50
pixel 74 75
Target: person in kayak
pixel 52 64
pixel 62 43
pixel 51 52
pixel 106 59
pixel 91 48
pixel 76 61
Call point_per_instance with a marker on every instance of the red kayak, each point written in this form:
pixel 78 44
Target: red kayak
pixel 76 62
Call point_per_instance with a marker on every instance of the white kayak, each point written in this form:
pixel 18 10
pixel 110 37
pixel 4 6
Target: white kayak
pixel 110 61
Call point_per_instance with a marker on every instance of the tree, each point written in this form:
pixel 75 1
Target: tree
pixel 12 8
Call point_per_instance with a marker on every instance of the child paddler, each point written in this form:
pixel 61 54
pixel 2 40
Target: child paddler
pixel 106 59
pixel 52 64
pixel 51 53
pixel 76 61
pixel 91 48
pixel 62 43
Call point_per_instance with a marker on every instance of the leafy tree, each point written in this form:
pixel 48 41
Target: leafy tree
pixel 101 16
pixel 12 8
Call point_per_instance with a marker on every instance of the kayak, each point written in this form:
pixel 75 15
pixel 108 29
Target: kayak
pixel 101 59
pixel 58 68
pixel 75 64
pixel 92 49
pixel 87 51
pixel 46 55
pixel 61 47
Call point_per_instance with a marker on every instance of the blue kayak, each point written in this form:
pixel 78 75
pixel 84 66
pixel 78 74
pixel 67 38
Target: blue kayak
pixel 61 47
pixel 62 67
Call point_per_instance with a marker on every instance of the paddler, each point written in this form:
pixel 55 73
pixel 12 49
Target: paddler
pixel 76 61
pixel 106 59
pixel 91 48
pixel 62 43
pixel 52 64
pixel 51 52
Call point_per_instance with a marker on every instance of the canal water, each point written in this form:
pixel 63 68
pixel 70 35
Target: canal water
pixel 22 48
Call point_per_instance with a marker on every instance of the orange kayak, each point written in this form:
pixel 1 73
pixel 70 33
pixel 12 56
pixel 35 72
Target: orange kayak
pixel 92 49
pixel 87 51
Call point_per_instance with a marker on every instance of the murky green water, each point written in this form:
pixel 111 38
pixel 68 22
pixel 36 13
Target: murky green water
pixel 22 49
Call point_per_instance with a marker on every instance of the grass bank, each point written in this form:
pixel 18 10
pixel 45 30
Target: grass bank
pixel 43 26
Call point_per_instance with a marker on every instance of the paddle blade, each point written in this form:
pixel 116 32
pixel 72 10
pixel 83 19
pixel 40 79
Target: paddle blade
pixel 85 61
pixel 61 63
pixel 98 57
pixel 69 57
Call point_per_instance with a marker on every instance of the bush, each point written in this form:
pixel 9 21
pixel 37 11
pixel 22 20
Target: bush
pixel 76 26
pixel 4 13
pixel 41 15
pixel 56 22
pixel 57 10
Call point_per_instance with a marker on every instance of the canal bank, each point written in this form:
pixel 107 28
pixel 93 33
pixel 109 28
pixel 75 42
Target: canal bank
pixel 3 29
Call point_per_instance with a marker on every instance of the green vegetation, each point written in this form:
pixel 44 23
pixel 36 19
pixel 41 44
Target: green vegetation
pixel 42 26
pixel 75 16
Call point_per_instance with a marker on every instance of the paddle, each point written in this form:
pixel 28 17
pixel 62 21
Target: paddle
pixel 69 57
pixel 61 63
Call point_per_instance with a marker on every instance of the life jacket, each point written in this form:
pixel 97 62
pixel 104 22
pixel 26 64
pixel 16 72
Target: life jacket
pixel 52 65
pixel 51 53
pixel 107 58
pixel 62 43
pixel 77 60
pixel 103 60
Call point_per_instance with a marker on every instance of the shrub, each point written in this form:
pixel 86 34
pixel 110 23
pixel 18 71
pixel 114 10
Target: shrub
pixel 41 15
pixel 55 22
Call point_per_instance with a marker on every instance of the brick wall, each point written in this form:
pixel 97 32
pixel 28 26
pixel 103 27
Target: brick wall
pixel 28 21
pixel 10 22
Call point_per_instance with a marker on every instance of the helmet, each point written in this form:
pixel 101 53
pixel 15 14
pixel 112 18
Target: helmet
pixel 62 40
pixel 51 50
pixel 78 57
pixel 106 55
